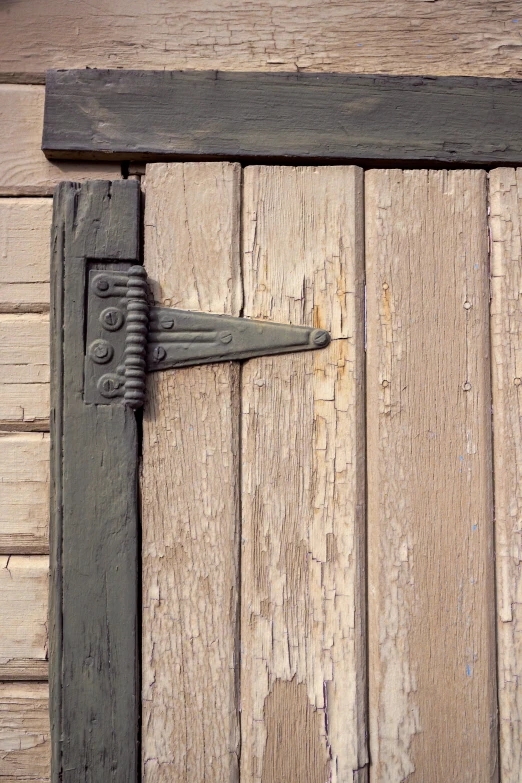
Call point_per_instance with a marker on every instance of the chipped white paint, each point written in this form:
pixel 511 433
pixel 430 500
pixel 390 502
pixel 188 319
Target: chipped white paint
pixel 302 590
pixel 190 492
pixel 430 516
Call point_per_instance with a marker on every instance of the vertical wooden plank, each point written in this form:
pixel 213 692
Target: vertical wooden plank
pixel 505 195
pixel 94 516
pixel 189 488
pixel 303 678
pixel 430 516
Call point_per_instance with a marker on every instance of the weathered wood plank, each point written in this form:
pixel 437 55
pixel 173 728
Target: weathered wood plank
pixel 94 516
pixel 24 493
pixel 24 364
pixel 24 587
pixel 505 196
pixel 25 169
pixel 393 36
pixel 189 489
pixel 25 226
pixel 25 746
pixel 430 516
pixel 204 114
pixel 303 660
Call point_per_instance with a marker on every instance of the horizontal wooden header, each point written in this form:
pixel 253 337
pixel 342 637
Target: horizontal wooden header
pixel 205 115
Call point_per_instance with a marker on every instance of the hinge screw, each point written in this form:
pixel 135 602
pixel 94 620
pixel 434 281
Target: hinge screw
pixel 159 353
pixel 101 351
pixel 226 337
pixel 321 338
pixel 167 322
pixel 112 319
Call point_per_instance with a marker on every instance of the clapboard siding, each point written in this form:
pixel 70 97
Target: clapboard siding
pixel 23 617
pixel 24 493
pixel 25 226
pixel 470 37
pixel 24 168
pixel 25 747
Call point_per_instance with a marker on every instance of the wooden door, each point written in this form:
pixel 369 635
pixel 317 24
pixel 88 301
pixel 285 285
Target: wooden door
pixel 318 574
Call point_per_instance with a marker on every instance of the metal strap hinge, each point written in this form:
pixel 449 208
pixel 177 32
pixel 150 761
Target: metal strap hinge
pixel 127 337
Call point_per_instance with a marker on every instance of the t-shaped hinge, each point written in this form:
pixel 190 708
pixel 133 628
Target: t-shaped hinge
pixel 128 337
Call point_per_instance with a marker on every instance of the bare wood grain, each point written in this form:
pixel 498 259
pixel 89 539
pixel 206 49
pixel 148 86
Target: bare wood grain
pixel 472 37
pixel 25 230
pixel 24 493
pixel 505 196
pixel 189 488
pixel 25 747
pixel 24 364
pixel 430 516
pixel 23 616
pixel 25 169
pixel 303 675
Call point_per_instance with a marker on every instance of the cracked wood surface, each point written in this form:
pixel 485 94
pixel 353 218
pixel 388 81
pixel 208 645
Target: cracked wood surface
pixel 23 617
pixel 25 170
pixel 24 493
pixel 303 679
pixel 25 228
pixel 430 515
pixel 24 363
pixel 189 488
pixel 25 747
pixel 505 194
pixel 471 37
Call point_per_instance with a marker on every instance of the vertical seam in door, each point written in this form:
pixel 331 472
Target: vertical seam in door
pixel 492 473
pixel 240 490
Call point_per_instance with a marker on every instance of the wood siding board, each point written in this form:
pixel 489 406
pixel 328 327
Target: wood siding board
pixel 24 493
pixel 24 733
pixel 24 364
pixel 23 616
pixel 25 224
pixel 94 516
pixel 394 36
pixel 505 198
pixel 303 659
pixel 208 114
pixel 433 712
pixel 25 169
pixel 189 488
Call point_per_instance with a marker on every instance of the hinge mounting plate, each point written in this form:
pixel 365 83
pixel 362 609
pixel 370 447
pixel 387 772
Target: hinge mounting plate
pixel 127 337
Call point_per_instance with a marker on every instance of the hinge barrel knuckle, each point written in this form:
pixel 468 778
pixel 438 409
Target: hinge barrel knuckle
pixel 136 337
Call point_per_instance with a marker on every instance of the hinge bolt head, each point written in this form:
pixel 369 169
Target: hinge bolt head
pixel 111 318
pixel 321 338
pixel 226 337
pixel 102 284
pixel 159 353
pixel 167 322
pixel 101 351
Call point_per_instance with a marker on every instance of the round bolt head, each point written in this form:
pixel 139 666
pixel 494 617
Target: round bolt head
pixel 101 351
pixel 167 322
pixel 109 385
pixel 225 337
pixel 102 284
pixel 321 338
pixel 111 319
pixel 159 353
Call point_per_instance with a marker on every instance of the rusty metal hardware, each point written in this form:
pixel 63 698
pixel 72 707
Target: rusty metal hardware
pixel 127 336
